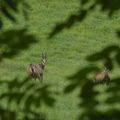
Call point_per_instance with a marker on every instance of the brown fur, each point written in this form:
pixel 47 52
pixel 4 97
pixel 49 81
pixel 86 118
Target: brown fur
pixel 102 77
pixel 36 70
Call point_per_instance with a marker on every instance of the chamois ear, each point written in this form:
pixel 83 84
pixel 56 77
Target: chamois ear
pixel 42 55
pixel 45 55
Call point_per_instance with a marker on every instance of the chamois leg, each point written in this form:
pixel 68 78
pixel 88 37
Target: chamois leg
pixel 108 81
pixel 41 77
pixel 103 81
pixel 34 77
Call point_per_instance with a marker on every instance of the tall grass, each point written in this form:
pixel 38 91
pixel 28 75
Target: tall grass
pixel 66 52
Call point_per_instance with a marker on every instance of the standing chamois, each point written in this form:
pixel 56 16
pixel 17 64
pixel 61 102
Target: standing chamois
pixel 36 70
pixel 102 77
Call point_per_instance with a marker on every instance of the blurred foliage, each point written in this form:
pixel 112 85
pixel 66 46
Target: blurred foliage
pixel 6 114
pixel 10 7
pixel 105 55
pixel 28 94
pixel 86 6
pixel 14 41
pixel 108 56
pixel 83 81
pixel 25 92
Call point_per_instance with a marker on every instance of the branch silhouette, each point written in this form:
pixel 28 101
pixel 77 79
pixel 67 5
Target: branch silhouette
pixel 83 81
pixel 106 5
pixel 87 96
pixel 28 93
pixel 10 7
pixel 14 41
pixel 106 56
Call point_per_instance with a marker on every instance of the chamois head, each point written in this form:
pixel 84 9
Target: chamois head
pixel 44 59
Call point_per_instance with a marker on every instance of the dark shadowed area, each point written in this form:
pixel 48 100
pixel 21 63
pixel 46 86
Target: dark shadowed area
pixel 86 85
pixel 28 94
pixel 109 6
pixel 10 7
pixel 81 80
pixel 31 96
pixel 14 41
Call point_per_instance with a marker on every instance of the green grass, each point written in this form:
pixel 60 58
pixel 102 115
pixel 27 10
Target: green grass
pixel 66 53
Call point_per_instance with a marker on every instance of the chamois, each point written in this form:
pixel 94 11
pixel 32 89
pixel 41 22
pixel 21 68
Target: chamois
pixel 36 70
pixel 102 77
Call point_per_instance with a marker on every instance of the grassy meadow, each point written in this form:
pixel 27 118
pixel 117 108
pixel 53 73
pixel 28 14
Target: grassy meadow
pixel 67 54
